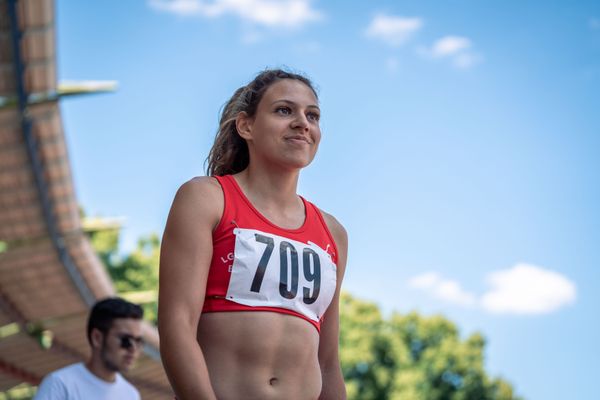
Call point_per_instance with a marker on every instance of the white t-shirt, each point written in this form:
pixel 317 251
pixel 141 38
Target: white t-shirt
pixel 76 382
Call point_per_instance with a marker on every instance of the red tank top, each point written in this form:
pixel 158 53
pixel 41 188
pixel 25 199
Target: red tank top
pixel 258 266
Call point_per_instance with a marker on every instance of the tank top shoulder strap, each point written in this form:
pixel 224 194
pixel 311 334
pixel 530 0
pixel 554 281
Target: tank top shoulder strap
pixel 225 182
pixel 230 200
pixel 314 214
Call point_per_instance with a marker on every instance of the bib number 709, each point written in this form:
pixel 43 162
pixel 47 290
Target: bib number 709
pixel 289 268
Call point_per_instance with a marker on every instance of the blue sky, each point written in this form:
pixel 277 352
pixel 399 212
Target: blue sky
pixel 460 149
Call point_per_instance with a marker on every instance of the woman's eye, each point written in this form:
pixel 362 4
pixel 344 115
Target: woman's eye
pixel 313 116
pixel 283 110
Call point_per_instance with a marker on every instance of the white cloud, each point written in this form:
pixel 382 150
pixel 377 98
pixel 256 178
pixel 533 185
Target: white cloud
pixel 443 289
pixel 457 49
pixel 393 30
pixel 188 7
pixel 424 281
pixel 527 289
pixel 450 45
pixel 523 289
pixel 270 13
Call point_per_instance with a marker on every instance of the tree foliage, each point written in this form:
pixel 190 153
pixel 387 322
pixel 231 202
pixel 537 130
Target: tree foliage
pixel 135 275
pixel 411 357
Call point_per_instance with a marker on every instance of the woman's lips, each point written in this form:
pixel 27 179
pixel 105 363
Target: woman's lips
pixel 298 139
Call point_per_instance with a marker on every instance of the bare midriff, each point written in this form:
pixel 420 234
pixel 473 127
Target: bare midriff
pixel 260 355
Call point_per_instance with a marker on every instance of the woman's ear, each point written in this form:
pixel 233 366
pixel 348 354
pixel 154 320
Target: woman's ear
pixel 243 124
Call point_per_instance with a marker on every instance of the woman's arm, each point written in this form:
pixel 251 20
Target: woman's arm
pixel 185 258
pixel 333 380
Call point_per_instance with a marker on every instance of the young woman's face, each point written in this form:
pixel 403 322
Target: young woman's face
pixel 285 129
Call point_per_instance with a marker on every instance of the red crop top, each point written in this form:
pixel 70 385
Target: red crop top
pixel 258 266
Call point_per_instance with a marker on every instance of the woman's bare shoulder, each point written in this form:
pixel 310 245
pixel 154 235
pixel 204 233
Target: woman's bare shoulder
pixel 201 186
pixel 200 196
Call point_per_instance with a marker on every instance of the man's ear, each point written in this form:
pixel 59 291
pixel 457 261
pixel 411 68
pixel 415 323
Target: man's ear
pixel 243 124
pixel 97 338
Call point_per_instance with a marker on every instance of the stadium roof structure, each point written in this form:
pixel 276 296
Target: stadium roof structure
pixel 49 273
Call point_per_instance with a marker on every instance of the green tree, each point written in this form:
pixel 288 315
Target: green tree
pixel 135 275
pixel 411 357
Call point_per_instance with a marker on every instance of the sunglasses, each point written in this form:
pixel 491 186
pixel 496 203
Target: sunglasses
pixel 128 341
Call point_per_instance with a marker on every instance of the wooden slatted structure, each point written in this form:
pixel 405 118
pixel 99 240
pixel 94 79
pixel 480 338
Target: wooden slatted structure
pixel 49 274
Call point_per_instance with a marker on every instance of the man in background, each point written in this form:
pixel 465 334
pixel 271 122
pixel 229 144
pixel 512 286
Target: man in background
pixel 114 333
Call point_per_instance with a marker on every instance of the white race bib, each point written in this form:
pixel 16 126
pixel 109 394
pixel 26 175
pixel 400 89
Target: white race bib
pixel 274 271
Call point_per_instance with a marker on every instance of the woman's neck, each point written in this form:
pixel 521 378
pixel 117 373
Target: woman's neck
pixel 270 187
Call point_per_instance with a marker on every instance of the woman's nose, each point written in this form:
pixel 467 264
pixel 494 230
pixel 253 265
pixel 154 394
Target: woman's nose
pixel 300 122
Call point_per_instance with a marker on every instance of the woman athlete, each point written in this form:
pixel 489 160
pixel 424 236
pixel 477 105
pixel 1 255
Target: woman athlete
pixel 250 272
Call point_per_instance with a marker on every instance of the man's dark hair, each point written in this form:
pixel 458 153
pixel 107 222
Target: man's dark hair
pixel 105 311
